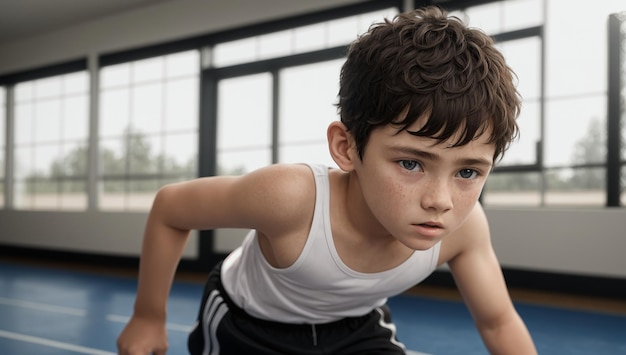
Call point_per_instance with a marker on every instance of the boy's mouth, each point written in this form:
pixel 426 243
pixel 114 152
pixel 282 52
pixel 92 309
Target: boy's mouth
pixel 431 224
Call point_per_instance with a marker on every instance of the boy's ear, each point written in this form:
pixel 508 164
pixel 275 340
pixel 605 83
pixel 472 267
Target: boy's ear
pixel 341 146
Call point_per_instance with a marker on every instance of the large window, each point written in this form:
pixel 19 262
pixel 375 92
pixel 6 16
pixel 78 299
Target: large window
pixel 516 27
pixel 575 137
pixel 148 128
pixel 2 144
pixel 281 114
pixel 51 120
pixel 276 95
pixel 306 110
pixel 273 90
pixel 560 158
pixel 298 40
pixel 616 110
pixel 244 139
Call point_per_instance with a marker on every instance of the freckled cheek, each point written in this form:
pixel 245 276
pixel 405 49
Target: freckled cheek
pixel 394 197
pixel 403 199
pixel 466 198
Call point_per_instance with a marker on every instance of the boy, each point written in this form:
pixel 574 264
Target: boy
pixel 427 106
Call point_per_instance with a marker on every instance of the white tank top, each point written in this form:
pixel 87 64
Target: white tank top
pixel 318 287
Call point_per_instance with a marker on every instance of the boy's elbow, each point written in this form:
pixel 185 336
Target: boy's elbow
pixel 164 206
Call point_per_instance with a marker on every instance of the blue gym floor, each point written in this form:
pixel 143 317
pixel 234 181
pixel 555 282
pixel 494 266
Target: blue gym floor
pixel 54 311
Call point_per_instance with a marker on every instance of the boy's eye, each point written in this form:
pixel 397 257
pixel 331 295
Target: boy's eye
pixel 409 164
pixel 468 173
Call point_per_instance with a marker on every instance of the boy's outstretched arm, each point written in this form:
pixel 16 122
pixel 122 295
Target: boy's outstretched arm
pixel 254 200
pixel 479 278
pixel 162 249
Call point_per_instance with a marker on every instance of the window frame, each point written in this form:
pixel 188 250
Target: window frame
pixel 10 81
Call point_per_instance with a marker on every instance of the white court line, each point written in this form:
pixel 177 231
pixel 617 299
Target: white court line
pixel 53 343
pixel 43 307
pixel 169 326
pixel 413 352
pixel 80 312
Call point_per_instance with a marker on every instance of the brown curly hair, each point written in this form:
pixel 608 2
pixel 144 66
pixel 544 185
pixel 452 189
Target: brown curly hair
pixel 426 62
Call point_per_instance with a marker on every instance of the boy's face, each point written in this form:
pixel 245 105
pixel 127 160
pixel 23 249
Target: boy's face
pixel 420 191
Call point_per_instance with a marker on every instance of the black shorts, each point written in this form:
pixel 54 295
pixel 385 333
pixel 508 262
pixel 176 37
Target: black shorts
pixel 224 328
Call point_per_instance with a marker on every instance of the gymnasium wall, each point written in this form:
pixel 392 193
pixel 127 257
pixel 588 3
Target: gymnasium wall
pixel 588 242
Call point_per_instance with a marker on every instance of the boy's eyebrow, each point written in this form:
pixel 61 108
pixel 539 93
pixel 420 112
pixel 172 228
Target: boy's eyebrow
pixel 434 157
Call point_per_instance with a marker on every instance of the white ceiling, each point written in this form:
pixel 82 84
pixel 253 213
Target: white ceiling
pixel 25 18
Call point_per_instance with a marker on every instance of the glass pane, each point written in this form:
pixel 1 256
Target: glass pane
pixel 575 131
pixel 523 151
pixel 149 128
pixel 31 193
pixel 48 87
pixel 512 189
pixel 524 57
pixel 306 110
pixel 73 195
pixel 245 112
pixel 146 108
pixel 518 14
pixel 576 187
pixel 277 44
pixel 114 112
pixel 181 104
pixel 51 116
pixel 244 130
pixel 76 83
pixel 113 157
pixel 22 193
pixel 623 186
pixel 230 53
pixel 141 151
pixel 2 142
pixel 48 121
pixel 46 158
pixel 333 33
pixel 24 91
pixel 147 70
pixel 364 21
pixel 76 118
pixel 45 196
pixel 623 89
pixel 505 16
pixel 182 64
pixel 24 162
pixel 564 58
pixel 74 160
pixel 2 128
pixel 180 154
pixel 343 31
pixel 115 75
pixel 24 123
pixel 112 195
pixel 309 38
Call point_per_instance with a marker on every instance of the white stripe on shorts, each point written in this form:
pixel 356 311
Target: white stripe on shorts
pixel 214 311
pixel 391 327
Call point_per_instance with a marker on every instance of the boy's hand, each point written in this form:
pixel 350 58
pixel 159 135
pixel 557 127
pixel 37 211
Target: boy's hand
pixel 143 337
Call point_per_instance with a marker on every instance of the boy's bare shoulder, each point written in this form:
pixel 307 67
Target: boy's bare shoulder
pixel 282 182
pixel 282 194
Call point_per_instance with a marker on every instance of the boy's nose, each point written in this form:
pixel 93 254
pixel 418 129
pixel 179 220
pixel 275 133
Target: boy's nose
pixel 437 196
